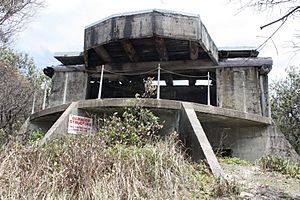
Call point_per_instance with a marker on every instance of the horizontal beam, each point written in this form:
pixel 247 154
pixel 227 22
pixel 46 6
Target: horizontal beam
pixel 175 65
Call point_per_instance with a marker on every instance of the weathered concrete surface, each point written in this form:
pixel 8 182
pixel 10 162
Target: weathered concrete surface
pixel 76 87
pixel 189 115
pixel 278 145
pixel 149 24
pixel 248 136
pixel 60 127
pixel 239 89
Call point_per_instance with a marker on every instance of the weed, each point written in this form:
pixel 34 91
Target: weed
pixel 34 136
pixel 224 187
pixel 235 161
pixel 278 164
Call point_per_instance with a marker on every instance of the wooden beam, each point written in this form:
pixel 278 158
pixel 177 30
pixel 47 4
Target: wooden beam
pixel 130 51
pixel 103 54
pixel 194 50
pixel 161 49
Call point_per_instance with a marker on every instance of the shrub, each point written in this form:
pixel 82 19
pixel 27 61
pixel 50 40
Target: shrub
pixel 278 164
pixel 34 136
pixel 136 126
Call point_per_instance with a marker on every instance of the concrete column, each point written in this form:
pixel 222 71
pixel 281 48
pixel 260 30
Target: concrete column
pixel 158 81
pixel 101 82
pixel 65 88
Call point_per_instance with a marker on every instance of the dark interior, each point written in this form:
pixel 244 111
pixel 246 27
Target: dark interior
pixel 192 88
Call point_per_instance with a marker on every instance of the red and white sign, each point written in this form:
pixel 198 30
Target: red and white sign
pixel 78 124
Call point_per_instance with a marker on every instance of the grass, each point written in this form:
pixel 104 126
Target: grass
pixel 125 159
pixel 278 164
pixel 84 167
pixel 235 161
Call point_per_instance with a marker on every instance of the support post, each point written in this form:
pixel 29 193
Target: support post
pixel 33 104
pixel 208 89
pixel 66 87
pixel 158 81
pixel 45 96
pixel 101 81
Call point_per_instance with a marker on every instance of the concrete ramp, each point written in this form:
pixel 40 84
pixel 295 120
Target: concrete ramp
pixel 192 120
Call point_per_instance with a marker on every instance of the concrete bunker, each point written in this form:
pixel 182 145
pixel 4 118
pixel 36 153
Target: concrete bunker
pixel 203 92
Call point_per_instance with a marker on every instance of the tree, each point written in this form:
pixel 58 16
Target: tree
pixel 19 81
pixel 285 104
pixel 14 14
pixel 288 9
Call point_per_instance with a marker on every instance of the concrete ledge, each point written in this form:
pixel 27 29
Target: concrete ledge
pixel 49 111
pixel 213 113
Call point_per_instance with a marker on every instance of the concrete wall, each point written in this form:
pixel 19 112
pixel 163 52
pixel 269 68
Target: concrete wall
pixel 76 87
pixel 238 88
pixel 245 139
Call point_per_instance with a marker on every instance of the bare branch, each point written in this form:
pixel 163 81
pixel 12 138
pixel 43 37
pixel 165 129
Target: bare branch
pixel 283 18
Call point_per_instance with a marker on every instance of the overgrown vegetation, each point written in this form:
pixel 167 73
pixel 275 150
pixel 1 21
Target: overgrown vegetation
pixel 34 137
pixel 121 161
pixel 285 104
pixel 235 161
pixel 85 167
pixel 278 164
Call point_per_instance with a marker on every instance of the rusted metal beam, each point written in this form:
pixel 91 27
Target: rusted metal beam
pixel 130 51
pixel 194 50
pixel 161 49
pixel 103 54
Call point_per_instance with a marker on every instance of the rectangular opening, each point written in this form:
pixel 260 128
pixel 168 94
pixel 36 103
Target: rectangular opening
pixel 183 86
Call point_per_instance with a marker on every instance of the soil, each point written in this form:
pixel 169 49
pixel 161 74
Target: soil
pixel 260 184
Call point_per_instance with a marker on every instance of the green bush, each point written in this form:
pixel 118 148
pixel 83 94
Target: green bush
pixel 34 136
pixel 135 126
pixel 278 164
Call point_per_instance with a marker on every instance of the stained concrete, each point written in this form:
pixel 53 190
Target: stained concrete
pixel 247 135
pixel 190 122
pixel 75 91
pixel 239 89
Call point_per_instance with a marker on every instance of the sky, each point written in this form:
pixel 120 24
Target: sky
pixel 59 27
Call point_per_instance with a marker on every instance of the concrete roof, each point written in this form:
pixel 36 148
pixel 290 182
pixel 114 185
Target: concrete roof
pixel 154 35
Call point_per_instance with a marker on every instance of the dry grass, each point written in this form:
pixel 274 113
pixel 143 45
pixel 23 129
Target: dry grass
pixel 84 167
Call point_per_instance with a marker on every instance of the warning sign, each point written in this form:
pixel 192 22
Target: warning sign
pixel 78 124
